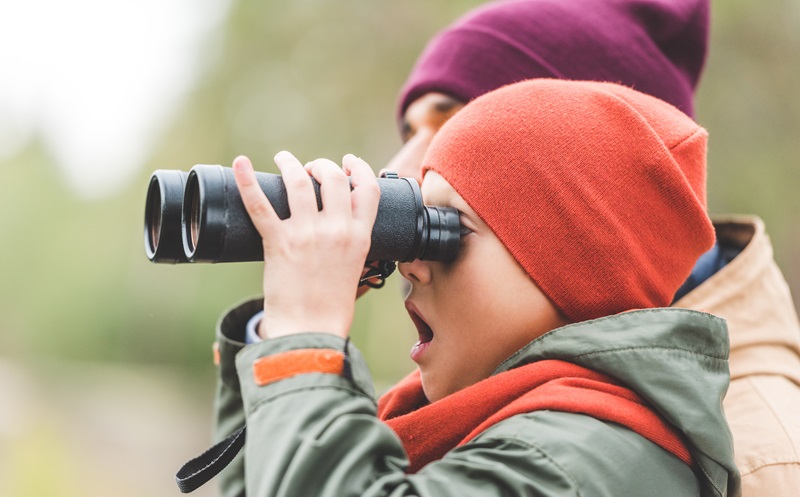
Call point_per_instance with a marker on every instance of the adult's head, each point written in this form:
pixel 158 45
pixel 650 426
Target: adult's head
pixel 657 47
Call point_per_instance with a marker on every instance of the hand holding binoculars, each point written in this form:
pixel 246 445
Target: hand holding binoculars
pixel 198 216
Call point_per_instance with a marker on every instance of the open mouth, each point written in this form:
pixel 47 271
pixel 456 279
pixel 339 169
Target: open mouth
pixel 425 334
pixel 425 331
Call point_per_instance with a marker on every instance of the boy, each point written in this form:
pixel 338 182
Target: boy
pixel 579 201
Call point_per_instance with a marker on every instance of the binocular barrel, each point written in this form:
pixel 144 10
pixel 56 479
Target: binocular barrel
pixel 199 217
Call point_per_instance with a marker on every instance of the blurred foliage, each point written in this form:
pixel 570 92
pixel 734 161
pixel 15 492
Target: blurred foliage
pixel 43 448
pixel 748 100
pixel 321 79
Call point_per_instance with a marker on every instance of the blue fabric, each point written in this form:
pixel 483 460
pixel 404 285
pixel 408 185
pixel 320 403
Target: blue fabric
pixel 252 335
pixel 707 265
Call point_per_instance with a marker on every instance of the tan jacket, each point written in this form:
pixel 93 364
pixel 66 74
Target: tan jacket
pixel 763 402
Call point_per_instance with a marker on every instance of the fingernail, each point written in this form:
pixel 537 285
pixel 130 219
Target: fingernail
pixel 283 154
pixel 242 163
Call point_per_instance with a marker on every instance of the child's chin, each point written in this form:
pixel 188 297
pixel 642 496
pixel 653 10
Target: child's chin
pixel 427 385
pixel 432 389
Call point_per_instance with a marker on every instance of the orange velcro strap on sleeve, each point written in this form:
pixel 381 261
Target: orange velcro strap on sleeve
pixel 294 362
pixel 217 357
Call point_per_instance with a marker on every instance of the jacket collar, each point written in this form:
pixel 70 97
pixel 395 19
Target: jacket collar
pixel 752 295
pixel 676 359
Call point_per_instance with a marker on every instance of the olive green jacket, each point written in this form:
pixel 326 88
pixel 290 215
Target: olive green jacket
pixel 317 434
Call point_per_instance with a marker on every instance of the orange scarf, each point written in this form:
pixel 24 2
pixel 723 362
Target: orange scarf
pixel 429 431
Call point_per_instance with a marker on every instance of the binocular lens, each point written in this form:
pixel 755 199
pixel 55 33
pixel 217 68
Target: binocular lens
pixel 192 222
pixel 154 213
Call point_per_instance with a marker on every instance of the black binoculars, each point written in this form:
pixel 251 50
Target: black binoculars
pixel 198 216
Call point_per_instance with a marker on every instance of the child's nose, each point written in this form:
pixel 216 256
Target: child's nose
pixel 417 272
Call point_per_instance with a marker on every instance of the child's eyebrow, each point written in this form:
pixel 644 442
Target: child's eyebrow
pixel 442 201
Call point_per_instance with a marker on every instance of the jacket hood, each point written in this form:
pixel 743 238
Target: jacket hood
pixel 674 358
pixel 754 298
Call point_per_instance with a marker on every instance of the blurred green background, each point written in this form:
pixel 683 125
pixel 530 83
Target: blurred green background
pixel 105 358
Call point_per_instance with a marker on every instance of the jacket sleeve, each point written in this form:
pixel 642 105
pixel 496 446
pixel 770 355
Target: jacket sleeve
pixel 229 410
pixel 317 434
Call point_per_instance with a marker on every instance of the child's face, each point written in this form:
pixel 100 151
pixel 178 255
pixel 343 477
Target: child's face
pixel 475 312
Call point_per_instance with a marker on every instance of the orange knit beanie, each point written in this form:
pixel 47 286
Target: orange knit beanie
pixel 597 190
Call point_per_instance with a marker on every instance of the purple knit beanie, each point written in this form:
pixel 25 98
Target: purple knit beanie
pixel 657 47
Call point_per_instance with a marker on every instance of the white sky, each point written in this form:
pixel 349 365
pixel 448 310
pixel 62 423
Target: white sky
pixel 98 80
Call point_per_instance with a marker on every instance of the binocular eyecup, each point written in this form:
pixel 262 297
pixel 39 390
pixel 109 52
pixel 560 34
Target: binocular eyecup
pixel 163 211
pixel 198 216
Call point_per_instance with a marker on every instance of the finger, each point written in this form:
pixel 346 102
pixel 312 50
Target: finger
pixel 255 202
pixel 366 193
pixel 299 189
pixel 334 188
